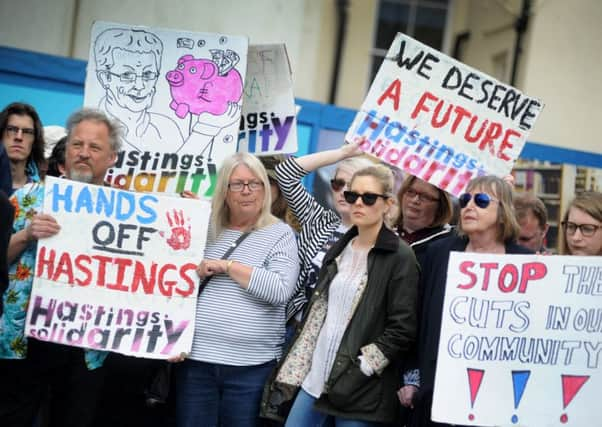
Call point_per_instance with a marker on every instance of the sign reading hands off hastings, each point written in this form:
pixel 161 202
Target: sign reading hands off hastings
pixel 521 341
pixel 178 98
pixel 440 120
pixel 120 275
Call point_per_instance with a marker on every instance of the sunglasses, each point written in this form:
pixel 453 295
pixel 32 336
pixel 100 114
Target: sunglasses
pixel 337 184
pixel 367 198
pixel 482 200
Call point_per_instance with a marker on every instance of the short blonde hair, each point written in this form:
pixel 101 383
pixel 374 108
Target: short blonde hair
pixel 508 228
pixel 354 164
pixel 379 172
pixel 589 202
pixel 220 213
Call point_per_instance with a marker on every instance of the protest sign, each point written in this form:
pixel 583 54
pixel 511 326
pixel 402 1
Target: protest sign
pixel 268 124
pixel 178 98
pixel 441 120
pixel 120 275
pixel 521 341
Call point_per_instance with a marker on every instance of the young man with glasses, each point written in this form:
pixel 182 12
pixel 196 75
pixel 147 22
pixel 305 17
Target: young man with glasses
pixel 23 139
pixel 128 65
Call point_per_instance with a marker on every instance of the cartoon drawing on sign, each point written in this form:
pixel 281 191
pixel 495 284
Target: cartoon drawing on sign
pixel 128 64
pixel 209 89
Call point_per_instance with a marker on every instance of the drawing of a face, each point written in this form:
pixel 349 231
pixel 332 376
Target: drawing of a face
pixel 132 79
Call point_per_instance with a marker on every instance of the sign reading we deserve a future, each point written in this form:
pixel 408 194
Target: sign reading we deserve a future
pixel 120 275
pixel 521 341
pixel 441 120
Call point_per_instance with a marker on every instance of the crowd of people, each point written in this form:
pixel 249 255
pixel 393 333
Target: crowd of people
pixel 306 315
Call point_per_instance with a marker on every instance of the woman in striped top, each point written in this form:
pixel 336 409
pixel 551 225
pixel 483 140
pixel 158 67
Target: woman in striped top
pixel 240 316
pixel 320 227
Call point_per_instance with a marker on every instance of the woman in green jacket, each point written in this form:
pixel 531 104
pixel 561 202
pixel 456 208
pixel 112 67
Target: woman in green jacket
pixel 343 364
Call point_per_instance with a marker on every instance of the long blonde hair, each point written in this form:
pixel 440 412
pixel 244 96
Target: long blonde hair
pixel 220 213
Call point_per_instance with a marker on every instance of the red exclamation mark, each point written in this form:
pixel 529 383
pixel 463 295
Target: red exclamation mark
pixel 571 384
pixel 475 377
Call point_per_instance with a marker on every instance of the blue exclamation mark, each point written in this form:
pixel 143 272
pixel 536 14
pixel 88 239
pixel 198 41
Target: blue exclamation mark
pixel 519 382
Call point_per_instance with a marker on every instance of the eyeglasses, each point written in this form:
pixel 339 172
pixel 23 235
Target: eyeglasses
pixel 367 198
pixel 482 200
pixel 422 197
pixel 587 230
pixel 337 184
pixel 129 76
pixel 237 186
pixel 14 131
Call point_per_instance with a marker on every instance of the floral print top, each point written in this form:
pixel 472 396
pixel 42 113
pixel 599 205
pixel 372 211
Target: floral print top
pixel 27 201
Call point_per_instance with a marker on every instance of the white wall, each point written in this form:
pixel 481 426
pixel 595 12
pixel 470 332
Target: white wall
pixel 50 26
pixel 563 69
pixel 37 25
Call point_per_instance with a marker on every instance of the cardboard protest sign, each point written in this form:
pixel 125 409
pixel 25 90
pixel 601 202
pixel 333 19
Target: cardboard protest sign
pixel 521 341
pixel 441 120
pixel 178 98
pixel 268 124
pixel 120 275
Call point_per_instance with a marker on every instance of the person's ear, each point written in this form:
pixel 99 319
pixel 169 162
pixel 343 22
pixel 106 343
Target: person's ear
pixel 104 77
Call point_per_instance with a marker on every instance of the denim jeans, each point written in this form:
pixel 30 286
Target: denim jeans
pixel 303 414
pixel 212 395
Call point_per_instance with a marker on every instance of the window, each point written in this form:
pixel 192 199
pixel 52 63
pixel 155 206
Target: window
pixel 423 20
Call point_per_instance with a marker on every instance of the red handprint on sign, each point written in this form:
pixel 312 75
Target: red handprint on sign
pixel 180 230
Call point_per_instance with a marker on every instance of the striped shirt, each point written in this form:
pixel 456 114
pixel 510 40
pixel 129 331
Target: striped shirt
pixel 317 226
pixel 245 327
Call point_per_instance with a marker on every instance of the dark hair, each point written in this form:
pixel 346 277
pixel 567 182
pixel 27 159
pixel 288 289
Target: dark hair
pixel 22 109
pixel 525 202
pixel 57 158
pixel 445 209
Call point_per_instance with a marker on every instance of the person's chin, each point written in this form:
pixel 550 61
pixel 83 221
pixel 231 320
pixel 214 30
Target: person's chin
pixel 81 176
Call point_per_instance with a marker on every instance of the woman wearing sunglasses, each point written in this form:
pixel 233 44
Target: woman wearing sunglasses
pixel 343 364
pixel 582 225
pixel 487 225
pixel 320 227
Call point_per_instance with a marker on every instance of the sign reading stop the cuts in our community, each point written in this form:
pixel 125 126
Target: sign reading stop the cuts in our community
pixel 441 120
pixel 521 341
pixel 120 275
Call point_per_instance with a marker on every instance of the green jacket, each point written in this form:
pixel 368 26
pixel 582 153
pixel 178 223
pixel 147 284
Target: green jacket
pixel 382 327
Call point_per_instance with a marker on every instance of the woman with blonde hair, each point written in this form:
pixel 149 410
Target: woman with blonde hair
pixel 487 225
pixel 320 227
pixel 344 362
pixel 582 225
pixel 240 315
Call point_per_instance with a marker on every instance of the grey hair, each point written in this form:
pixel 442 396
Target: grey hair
pixel 94 115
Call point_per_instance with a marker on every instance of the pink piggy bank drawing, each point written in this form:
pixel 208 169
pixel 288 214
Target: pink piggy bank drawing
pixel 197 86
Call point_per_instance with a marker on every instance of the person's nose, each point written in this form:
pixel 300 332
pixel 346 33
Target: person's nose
pixel 84 152
pixel 139 83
